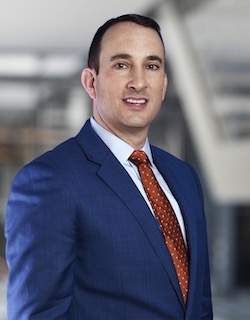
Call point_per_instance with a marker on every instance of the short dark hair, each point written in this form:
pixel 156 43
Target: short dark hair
pixel 95 47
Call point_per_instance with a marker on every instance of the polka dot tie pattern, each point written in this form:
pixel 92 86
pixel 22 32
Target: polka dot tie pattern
pixel 166 218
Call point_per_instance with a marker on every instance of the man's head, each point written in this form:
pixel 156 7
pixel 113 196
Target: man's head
pixel 95 47
pixel 126 77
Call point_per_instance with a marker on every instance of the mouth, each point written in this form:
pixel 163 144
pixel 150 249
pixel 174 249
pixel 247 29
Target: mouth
pixel 138 102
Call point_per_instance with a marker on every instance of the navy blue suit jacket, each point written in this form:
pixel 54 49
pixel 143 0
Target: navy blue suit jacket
pixel 83 244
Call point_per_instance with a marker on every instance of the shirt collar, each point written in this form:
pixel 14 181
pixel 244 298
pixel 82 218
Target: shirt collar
pixel 118 147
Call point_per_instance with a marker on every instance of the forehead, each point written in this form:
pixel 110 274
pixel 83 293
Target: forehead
pixel 130 36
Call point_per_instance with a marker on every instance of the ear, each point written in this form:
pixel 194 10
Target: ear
pixel 88 78
pixel 165 85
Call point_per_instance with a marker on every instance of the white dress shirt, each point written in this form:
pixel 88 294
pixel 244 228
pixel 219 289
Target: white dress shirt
pixel 122 152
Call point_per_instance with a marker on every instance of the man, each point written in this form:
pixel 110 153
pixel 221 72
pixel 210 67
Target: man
pixel 84 240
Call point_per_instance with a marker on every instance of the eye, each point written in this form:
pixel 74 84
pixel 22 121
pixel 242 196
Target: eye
pixel 120 65
pixel 152 66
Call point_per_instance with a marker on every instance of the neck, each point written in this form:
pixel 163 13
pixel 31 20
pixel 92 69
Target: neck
pixel 135 137
pixel 135 141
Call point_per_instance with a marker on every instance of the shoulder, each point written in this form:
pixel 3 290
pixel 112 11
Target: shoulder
pixel 60 158
pixel 168 158
pixel 176 169
pixel 66 153
pixel 49 170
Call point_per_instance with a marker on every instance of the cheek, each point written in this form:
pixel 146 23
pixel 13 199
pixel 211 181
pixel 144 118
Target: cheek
pixel 104 88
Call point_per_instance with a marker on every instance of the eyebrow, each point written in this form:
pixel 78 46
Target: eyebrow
pixel 120 56
pixel 155 58
pixel 128 56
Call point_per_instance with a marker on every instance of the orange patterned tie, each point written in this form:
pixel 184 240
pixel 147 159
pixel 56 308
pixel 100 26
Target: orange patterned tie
pixel 166 218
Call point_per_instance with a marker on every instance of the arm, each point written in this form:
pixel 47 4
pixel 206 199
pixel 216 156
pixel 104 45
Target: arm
pixel 40 248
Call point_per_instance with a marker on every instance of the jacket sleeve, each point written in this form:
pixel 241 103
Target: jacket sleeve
pixel 40 250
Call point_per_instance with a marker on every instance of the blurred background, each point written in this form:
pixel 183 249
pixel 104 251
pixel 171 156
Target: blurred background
pixel 205 118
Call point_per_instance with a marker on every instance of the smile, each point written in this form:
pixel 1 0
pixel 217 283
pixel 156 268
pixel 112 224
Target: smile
pixel 136 101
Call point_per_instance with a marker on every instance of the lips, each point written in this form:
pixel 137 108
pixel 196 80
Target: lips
pixel 135 101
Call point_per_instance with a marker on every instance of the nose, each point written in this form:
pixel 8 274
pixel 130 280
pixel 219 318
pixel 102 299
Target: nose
pixel 137 80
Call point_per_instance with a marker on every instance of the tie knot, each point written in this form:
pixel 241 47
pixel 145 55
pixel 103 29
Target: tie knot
pixel 138 157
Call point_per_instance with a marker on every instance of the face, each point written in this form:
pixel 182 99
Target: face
pixel 128 91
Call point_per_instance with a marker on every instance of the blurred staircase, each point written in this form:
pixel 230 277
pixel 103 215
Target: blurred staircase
pixel 211 71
